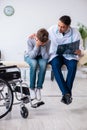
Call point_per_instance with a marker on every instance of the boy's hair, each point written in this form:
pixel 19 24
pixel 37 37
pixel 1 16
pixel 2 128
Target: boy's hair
pixel 65 19
pixel 42 35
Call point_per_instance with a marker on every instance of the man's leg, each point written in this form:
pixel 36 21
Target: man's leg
pixel 71 67
pixel 57 63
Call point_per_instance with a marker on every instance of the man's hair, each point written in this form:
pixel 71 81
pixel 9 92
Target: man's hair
pixel 42 35
pixel 65 19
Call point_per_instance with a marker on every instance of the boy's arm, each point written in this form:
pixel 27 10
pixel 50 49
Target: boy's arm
pixel 32 48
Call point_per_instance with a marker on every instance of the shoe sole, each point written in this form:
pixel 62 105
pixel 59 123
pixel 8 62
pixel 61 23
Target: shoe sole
pixel 67 103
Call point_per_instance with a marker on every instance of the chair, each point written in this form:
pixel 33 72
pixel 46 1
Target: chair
pixel 11 85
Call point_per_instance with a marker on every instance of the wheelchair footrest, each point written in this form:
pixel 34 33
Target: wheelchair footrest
pixel 25 90
pixel 25 99
pixel 38 104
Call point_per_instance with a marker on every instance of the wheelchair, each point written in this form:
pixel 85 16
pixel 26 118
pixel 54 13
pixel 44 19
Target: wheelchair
pixel 12 85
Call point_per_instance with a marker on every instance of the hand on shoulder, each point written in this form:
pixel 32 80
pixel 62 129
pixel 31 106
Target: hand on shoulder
pixel 32 36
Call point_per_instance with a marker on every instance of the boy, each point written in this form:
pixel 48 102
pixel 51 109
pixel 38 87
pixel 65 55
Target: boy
pixel 37 58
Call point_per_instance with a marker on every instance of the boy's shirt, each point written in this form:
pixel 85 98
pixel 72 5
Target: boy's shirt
pixel 34 51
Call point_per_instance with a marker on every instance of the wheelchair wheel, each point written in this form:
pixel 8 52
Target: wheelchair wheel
pixel 24 112
pixel 6 98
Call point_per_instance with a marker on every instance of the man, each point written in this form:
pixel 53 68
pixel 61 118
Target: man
pixel 61 34
pixel 37 57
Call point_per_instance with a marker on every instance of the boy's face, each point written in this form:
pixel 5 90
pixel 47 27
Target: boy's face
pixel 62 27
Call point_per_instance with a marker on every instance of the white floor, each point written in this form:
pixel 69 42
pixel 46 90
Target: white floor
pixel 54 115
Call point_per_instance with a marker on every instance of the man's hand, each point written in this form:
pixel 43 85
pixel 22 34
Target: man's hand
pixel 78 52
pixel 32 35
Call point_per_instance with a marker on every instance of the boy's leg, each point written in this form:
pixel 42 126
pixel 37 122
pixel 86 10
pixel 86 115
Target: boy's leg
pixel 41 76
pixel 33 68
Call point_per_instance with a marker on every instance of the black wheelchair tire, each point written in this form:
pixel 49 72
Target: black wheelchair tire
pixel 11 94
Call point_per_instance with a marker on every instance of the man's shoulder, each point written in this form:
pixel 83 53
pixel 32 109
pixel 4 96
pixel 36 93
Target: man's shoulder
pixel 75 29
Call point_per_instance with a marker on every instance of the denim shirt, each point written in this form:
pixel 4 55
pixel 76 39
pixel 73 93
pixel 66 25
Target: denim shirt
pixel 33 51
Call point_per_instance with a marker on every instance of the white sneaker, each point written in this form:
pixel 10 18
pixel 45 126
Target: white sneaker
pixel 38 94
pixel 32 94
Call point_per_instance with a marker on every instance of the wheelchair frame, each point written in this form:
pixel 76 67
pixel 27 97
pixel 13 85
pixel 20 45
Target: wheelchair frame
pixel 11 84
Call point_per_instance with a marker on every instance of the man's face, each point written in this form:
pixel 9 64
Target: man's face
pixel 62 27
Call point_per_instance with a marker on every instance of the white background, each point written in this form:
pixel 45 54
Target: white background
pixel 29 16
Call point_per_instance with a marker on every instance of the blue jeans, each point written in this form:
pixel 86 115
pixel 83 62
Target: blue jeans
pixel 64 85
pixel 40 65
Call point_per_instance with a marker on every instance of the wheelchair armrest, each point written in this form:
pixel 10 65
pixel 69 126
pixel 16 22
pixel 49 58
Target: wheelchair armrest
pixel 8 67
